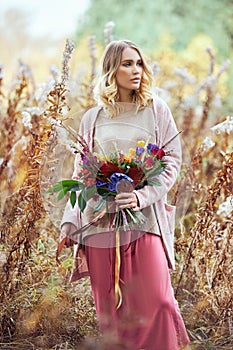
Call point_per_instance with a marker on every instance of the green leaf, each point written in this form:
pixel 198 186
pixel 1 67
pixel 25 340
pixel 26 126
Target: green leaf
pixel 62 193
pixel 90 191
pixel 77 187
pixel 82 200
pixel 59 186
pixel 69 183
pixel 132 215
pixel 152 182
pixel 155 170
pixel 104 192
pixel 85 195
pixel 73 198
pixel 99 205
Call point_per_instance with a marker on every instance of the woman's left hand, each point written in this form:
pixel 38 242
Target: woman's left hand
pixel 127 200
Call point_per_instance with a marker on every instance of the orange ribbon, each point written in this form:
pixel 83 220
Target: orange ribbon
pixel 118 292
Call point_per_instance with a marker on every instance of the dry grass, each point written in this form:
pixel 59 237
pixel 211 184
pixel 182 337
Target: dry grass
pixel 39 308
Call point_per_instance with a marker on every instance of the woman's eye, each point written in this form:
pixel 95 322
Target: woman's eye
pixel 128 64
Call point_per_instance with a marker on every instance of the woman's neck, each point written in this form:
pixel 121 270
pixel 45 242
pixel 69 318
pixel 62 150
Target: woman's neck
pixel 125 96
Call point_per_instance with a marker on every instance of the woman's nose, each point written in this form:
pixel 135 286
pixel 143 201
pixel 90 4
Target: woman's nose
pixel 136 68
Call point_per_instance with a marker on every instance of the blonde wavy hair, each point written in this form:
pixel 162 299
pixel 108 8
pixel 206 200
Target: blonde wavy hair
pixel 106 90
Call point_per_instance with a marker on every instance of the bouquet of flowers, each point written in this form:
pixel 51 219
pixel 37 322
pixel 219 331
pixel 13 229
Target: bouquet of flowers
pixel 108 174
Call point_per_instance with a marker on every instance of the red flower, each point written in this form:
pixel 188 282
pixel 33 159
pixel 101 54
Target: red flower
pixel 154 151
pixel 90 181
pixel 160 153
pixel 121 157
pixel 108 169
pixel 149 162
pixel 136 174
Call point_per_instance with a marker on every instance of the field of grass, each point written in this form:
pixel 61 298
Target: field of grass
pixel 40 309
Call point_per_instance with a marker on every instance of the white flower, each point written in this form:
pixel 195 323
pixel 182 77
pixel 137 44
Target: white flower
pixel 108 31
pixel 226 207
pixel 226 126
pixel 56 122
pixel 190 102
pixel 23 142
pixel 217 102
pixel 54 71
pixel 69 47
pixel 43 90
pixel 26 119
pixel 155 68
pixel 34 110
pixel 10 168
pixel 224 66
pixel 170 84
pixel 185 76
pixel 207 144
pixel 110 25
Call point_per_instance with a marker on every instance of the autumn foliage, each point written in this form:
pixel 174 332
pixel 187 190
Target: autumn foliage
pixel 39 308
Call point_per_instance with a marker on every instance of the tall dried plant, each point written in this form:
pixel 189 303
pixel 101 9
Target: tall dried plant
pixel 24 208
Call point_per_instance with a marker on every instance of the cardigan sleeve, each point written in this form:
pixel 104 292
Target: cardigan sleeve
pixel 167 129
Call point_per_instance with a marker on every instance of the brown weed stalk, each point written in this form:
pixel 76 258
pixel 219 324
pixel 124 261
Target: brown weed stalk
pixel 24 209
pixel 209 260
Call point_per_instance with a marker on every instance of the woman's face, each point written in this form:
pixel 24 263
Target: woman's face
pixel 129 72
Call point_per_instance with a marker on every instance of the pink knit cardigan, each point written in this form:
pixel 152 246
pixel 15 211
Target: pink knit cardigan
pixel 148 195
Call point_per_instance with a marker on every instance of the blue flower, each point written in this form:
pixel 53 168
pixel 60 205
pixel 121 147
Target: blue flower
pixel 100 183
pixel 115 178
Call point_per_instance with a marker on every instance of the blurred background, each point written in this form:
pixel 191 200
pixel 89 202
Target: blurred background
pixel 35 31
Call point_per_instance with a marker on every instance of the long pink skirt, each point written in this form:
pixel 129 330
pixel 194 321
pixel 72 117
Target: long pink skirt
pixel 149 317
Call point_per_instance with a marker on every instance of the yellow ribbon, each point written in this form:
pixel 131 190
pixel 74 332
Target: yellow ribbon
pixel 118 292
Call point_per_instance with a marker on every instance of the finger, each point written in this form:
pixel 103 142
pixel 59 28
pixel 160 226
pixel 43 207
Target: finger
pixel 136 208
pixel 127 205
pixel 130 204
pixel 122 195
pixel 126 196
pixel 123 201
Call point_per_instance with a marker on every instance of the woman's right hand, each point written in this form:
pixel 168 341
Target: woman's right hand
pixel 67 229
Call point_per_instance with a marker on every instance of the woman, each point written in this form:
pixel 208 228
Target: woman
pixel 148 317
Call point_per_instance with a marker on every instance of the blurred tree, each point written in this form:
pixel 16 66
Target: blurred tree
pixel 145 21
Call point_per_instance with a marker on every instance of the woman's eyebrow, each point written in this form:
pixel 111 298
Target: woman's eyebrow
pixel 130 60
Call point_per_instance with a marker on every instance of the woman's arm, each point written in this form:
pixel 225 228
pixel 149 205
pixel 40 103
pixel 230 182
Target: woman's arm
pixel 166 131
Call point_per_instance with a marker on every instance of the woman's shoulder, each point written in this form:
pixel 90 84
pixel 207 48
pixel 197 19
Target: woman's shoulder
pixel 90 114
pixel 159 103
pixel 162 111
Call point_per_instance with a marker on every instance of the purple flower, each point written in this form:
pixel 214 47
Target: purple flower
pixel 152 148
pixel 84 159
pixel 139 150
